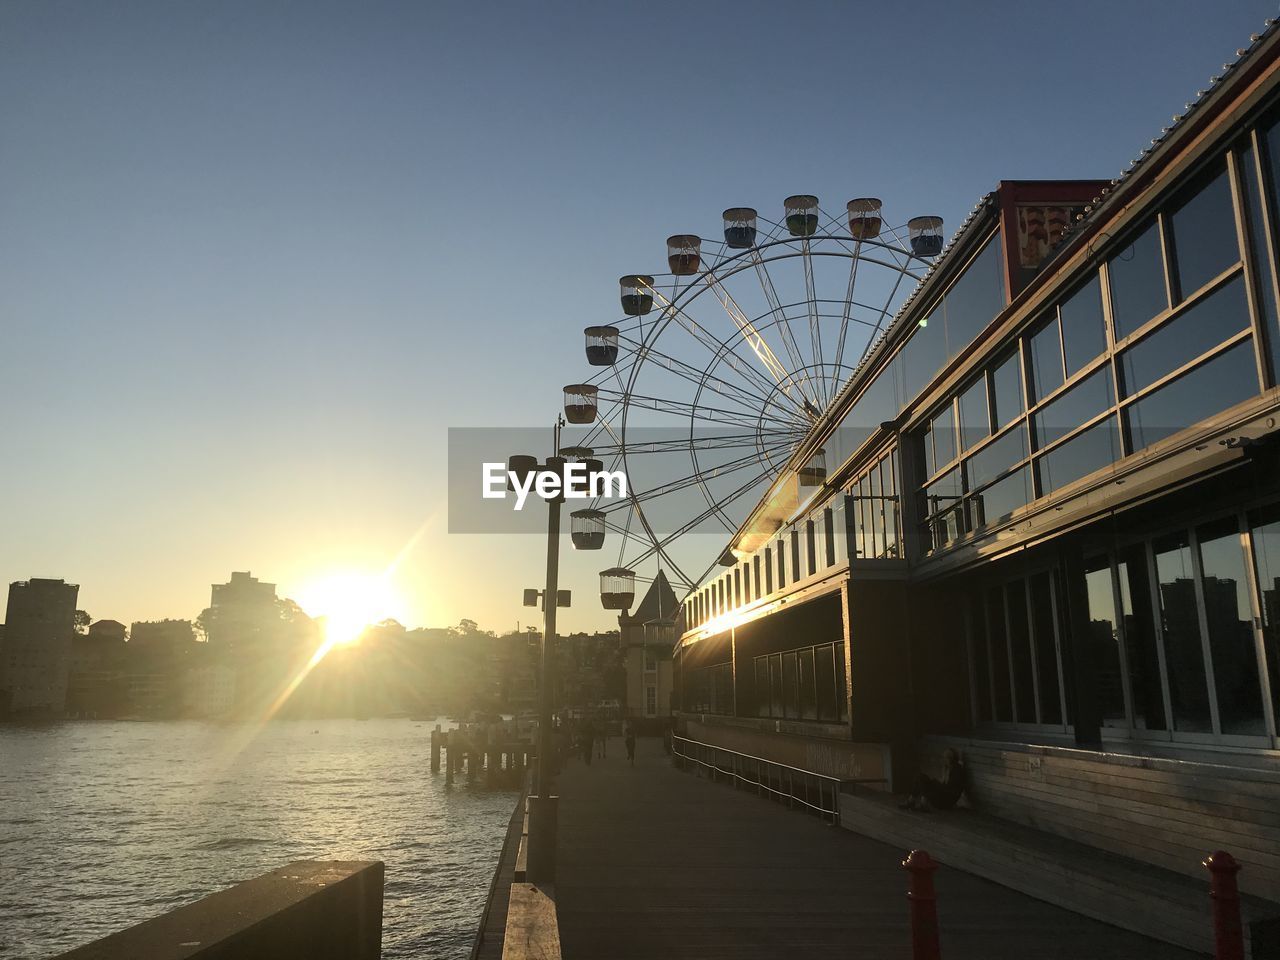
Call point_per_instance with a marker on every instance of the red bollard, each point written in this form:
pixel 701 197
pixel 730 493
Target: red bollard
pixel 1228 935
pixel 924 905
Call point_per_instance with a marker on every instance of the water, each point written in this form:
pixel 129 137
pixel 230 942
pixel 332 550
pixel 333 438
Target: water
pixel 103 825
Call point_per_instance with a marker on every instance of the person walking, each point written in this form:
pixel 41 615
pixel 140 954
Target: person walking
pixel 631 743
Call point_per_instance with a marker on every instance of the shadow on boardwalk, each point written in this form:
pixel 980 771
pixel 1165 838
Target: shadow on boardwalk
pixel 661 864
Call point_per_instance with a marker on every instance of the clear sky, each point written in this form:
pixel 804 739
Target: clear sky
pixel 257 257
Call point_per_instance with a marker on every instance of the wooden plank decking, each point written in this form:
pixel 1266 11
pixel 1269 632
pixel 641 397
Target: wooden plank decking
pixel 657 863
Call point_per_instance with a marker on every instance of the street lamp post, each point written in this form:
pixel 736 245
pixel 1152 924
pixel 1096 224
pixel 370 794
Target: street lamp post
pixel 543 813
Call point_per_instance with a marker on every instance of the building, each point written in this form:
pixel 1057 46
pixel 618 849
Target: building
pixel 648 635
pixel 1048 532
pixel 241 612
pixel 161 641
pixel 209 691
pixel 35 659
pixel 96 687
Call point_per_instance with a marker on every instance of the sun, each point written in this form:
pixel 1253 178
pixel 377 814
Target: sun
pixel 348 601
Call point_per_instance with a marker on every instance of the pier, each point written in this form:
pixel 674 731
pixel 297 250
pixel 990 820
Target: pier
pixel 469 750
pixel 655 862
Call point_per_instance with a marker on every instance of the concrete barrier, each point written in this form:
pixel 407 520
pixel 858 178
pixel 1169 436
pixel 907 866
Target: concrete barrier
pixel 321 910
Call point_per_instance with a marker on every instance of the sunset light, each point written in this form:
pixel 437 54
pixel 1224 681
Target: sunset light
pixel 348 601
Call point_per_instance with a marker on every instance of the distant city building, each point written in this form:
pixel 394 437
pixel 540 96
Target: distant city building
pixel 159 639
pixel 96 686
pixel 35 656
pixel 210 692
pixel 240 611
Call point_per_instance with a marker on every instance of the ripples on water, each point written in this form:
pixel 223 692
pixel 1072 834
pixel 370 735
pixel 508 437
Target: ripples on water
pixel 103 825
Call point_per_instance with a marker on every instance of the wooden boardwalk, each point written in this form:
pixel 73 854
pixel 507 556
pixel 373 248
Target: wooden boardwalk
pixel 656 863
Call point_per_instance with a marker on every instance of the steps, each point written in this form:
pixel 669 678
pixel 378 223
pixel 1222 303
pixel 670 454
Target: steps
pixel 1117 890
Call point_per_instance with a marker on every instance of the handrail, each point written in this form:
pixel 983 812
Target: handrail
pixel 832 811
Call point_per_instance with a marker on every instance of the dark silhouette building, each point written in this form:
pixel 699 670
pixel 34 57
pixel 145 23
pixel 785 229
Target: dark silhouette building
pixel 35 658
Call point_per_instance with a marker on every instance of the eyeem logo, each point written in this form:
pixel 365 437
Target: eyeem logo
pixel 576 482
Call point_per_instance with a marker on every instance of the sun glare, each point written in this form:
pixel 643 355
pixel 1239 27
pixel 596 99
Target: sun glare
pixel 349 602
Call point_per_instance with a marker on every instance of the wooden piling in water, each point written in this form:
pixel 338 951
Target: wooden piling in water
pixel 436 737
pixel 451 762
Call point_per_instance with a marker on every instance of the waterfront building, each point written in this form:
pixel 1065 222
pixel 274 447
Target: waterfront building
pixel 648 635
pixel 209 691
pixel 35 658
pixel 161 641
pixel 96 685
pixel 1048 529
pixel 241 612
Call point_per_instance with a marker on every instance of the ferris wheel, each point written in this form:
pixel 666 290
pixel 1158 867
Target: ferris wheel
pixel 718 369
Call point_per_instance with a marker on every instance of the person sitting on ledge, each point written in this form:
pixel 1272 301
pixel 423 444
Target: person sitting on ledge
pixel 930 794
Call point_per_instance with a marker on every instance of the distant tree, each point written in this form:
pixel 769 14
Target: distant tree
pixel 466 626
pixel 203 622
pixel 82 621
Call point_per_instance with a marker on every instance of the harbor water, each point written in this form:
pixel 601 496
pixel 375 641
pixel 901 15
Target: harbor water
pixel 103 825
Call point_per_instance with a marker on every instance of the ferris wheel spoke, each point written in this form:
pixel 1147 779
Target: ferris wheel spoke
pixel 702 517
pixel 744 441
pixel 722 387
pixel 683 409
pixel 754 339
pixel 683 483
pixel 784 328
pixel 740 364
pixel 815 333
pixel 847 313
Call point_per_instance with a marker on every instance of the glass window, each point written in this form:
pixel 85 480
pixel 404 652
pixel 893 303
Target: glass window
pixel 1080 456
pixel 1266 557
pixel 1084 335
pixel 1224 381
pixel 808 688
pixel 768 571
pixel 875 514
pixel 891 518
pixel 999 653
pixel 1204 232
pixel 1045 638
pixel 944 437
pixel 762 686
pixel 1180 627
pixel 998 501
pixel 1046 359
pixel 1080 404
pixel 1215 318
pixel 1006 390
pixel 944 493
pixel 776 696
pixel 997 457
pixel 824 673
pixel 1136 274
pixel 1104 643
pixel 925 353
pixel 790 685
pixel 842 698
pixel 737 587
pixel 975 424
pixel 1024 695
pixel 1229 615
pixel 1260 260
pixel 981 662
pixel 1145 687
pixel 975 299
pixel 797 571
pixel 810 548
pixel 780 547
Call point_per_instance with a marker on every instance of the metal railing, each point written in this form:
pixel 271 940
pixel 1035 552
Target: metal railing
pixel 815 791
